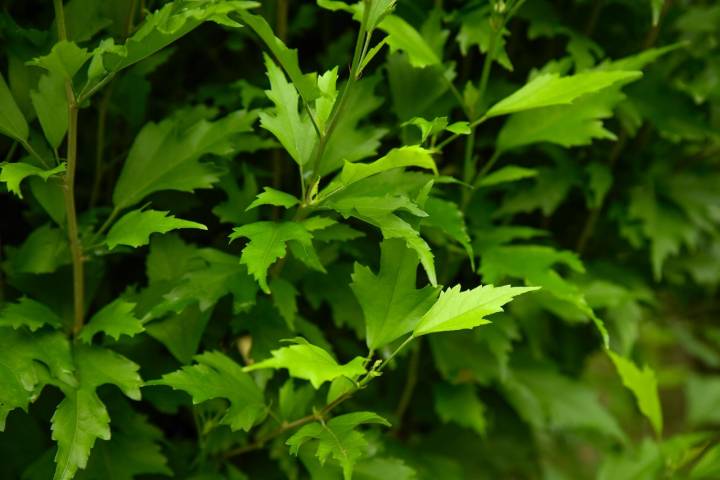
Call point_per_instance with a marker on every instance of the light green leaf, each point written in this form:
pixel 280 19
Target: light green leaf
pixel 114 319
pixel 643 384
pixel 217 376
pixel 64 60
pixel 81 418
pixel 403 36
pixel 50 104
pixel 274 197
pixel 22 376
pixel 135 228
pixel 510 173
pixel 268 242
pixel 428 127
pixel 165 155
pixel 460 404
pixel 572 125
pixel 408 156
pixel 550 89
pixel 391 304
pixel 28 313
pixel 338 438
pixel 14 173
pixel 458 310
pixel 293 129
pixel 12 121
pixel 310 362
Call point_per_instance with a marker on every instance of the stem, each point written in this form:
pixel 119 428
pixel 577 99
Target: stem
pixel 69 190
pixel 100 146
pixel 410 384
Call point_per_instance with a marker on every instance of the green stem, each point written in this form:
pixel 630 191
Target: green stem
pixel 409 387
pixel 76 249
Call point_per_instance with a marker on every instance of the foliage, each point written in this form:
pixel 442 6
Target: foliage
pixel 359 239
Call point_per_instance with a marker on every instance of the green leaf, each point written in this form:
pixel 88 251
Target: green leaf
pixel 217 376
pixel 476 29
pixel 82 418
pixel 458 310
pixel 403 36
pixel 656 6
pixel 181 332
pixel 413 156
pixel 550 89
pixel 14 173
pixel 284 295
pixel 22 376
pixel 306 84
pixel 703 400
pixel 643 384
pixel 572 125
pixel 447 216
pixel 274 197
pixel 44 251
pixel 12 121
pixel 165 155
pixel 114 319
pixel 160 28
pixel 391 304
pixel 510 173
pixel 310 362
pixel 64 60
pixel 293 129
pixel 28 313
pixel 338 438
pixel 268 242
pixel 135 228
pixel 50 104
pixel 460 404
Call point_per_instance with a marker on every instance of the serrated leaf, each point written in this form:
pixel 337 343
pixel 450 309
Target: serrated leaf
pixel 28 313
pixel 165 155
pixel 459 310
pixel 14 173
pixel 12 121
pixel 448 218
pixel 274 197
pixel 337 437
pixel 572 125
pixel 135 228
pixel 460 404
pixel 268 242
pixel 21 375
pixel 293 129
pixel 550 89
pixel 643 385
pixel 391 304
pixel 217 376
pixel 310 362
pixel 114 319
pixel 476 29
pixel 404 37
pixel 64 60
pixel 82 418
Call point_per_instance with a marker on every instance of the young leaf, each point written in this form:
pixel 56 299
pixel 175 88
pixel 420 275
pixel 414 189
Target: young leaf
pixel 403 36
pixel 310 362
pixel 30 314
pixel 643 385
pixel 460 404
pixel 21 376
pixel 217 376
pixel 63 61
pixel 114 319
pixel 135 228
pixel 268 242
pixel 274 197
pixel 550 89
pixel 476 28
pixel 458 310
pixel 82 418
pixel 338 438
pixel 391 304
pixel 14 173
pixel 293 129
pixel 165 155
pixel 50 103
pixel 12 121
